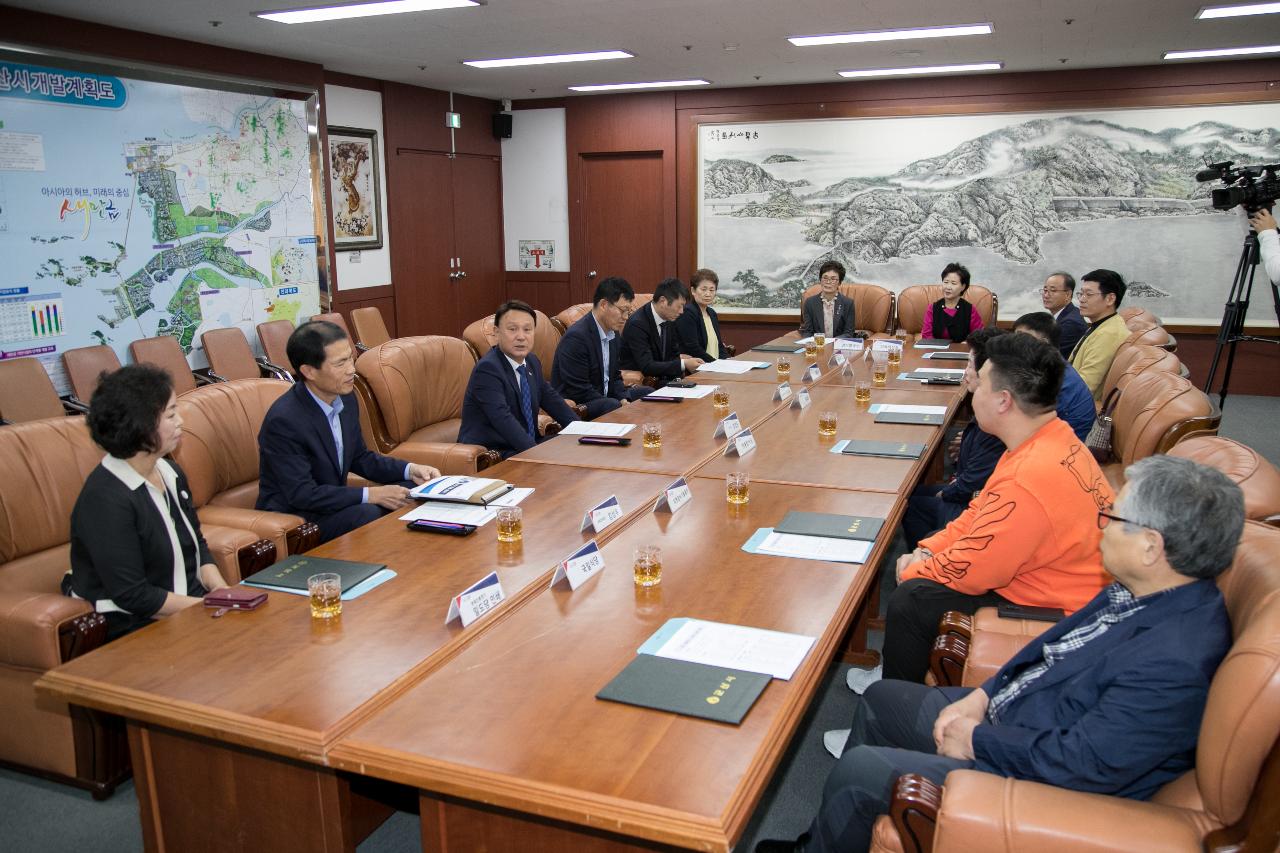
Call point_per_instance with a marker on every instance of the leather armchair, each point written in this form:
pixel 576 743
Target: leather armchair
pixel 915 300
pixel 371 328
pixel 1256 476
pixel 1129 312
pixel 412 390
pixel 1133 359
pixel 163 351
pixel 1226 803
pixel 1155 412
pixel 231 357
pixel 482 337
pixel 274 335
pixel 570 315
pixel 27 392
pixel 1145 332
pixel 219 453
pixel 40 628
pixel 84 365
pixel 873 305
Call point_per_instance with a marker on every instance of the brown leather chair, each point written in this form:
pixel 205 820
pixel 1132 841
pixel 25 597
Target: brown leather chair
pixel 40 628
pixel 371 328
pixel 274 336
pixel 412 389
pixel 219 453
pixel 27 392
pixel 230 357
pixel 1226 803
pixel 481 337
pixel 163 351
pixel 1150 334
pixel 913 301
pixel 1256 476
pixel 1156 410
pixel 337 319
pixel 1133 359
pixel 571 315
pixel 84 365
pixel 1129 312
pixel 873 305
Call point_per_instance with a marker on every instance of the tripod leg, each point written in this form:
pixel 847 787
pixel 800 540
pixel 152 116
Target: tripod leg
pixel 1233 312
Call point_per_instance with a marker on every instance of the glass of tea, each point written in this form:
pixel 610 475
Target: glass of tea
pixel 652 436
pixel 325 590
pixel 819 340
pixel 737 485
pixel 784 369
pixel 862 390
pixel 647 565
pixel 879 366
pixel 720 397
pixel 827 423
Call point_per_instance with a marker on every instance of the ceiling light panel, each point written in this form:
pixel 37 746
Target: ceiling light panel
pixel 548 60
pixel 924 69
pixel 659 84
pixel 893 35
pixel 360 10
pixel 1237 11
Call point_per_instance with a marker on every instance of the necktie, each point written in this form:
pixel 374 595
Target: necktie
pixel 526 402
pixel 662 338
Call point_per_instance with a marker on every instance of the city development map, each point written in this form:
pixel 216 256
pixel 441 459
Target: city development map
pixel 131 208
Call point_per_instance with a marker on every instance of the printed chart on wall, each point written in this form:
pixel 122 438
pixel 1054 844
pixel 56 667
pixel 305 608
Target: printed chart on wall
pixel 131 208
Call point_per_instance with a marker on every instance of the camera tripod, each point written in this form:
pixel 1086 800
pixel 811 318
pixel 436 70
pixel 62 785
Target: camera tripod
pixel 1231 332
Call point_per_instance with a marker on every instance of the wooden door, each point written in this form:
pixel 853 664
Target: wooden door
pixel 421 206
pixel 477 230
pixel 621 198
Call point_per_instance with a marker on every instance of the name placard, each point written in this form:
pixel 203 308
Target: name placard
pixel 602 515
pixel 476 600
pixel 837 360
pixel 742 444
pixel 885 346
pixel 783 392
pixel 847 370
pixel 801 400
pixel 729 427
pixel 579 565
pixel 848 345
pixel 813 374
pixel 675 496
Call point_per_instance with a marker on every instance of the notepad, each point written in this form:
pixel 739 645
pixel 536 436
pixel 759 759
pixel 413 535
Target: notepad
pixel 773 653
pixel 728 365
pixel 597 428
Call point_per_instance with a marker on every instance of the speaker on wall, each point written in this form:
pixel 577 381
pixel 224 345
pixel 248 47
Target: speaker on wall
pixel 502 125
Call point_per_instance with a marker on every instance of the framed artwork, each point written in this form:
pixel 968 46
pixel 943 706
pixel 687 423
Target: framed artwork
pixel 353 185
pixel 1012 196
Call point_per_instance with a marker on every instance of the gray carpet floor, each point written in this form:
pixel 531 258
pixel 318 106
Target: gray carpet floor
pixel 43 816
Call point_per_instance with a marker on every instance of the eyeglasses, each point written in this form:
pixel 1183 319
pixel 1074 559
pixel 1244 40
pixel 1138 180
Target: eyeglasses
pixel 1053 290
pixel 626 312
pixel 1105 518
pixel 1089 294
pixel 830 279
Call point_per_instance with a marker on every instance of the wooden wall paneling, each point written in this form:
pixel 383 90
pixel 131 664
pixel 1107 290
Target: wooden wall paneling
pixel 420 214
pixel 477 235
pixel 1254 372
pixel 618 124
pixel 549 292
pixel 383 298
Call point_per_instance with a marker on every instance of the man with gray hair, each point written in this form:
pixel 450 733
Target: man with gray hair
pixel 1109 700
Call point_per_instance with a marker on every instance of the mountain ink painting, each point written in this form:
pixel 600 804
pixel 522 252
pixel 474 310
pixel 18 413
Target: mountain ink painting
pixel 1014 197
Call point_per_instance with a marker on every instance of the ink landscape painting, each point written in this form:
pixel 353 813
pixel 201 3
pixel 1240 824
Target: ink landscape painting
pixel 1014 197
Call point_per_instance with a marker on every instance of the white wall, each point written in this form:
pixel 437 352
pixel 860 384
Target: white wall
pixel 535 184
pixel 363 109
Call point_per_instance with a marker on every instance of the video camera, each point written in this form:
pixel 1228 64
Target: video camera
pixel 1255 187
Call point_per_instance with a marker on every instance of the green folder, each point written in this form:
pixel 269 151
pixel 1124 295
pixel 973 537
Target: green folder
pixel 908 418
pixel 693 689
pixel 889 449
pixel 791 348
pixel 291 573
pixel 860 527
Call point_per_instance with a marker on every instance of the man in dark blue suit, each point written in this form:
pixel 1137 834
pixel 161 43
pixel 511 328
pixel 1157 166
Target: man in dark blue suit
pixel 1075 400
pixel 310 441
pixel 1108 701
pixel 650 341
pixel 1057 298
pixel 588 364
pixel 506 391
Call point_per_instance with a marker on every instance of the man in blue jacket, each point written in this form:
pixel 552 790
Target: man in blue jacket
pixel 507 389
pixel 1108 701
pixel 1075 401
pixel 587 367
pixel 310 441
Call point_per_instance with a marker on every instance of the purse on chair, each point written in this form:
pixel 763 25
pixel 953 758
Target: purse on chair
pixel 1099 438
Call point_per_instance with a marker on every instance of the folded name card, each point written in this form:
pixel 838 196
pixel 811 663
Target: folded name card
pixel 579 565
pixel 742 444
pixel 675 496
pixel 729 427
pixel 476 600
pixel 602 515
pixel 783 392
pixel 801 400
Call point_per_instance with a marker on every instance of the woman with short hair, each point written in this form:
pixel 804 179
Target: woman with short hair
pixel 699 326
pixel 136 549
pixel 952 317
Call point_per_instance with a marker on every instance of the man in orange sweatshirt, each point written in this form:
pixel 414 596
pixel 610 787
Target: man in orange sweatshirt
pixel 1030 536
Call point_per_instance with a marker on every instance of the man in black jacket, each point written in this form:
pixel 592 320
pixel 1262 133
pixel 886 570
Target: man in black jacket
pixel 588 363
pixel 650 343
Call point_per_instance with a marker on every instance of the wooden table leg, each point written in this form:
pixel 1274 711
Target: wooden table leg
pixel 197 794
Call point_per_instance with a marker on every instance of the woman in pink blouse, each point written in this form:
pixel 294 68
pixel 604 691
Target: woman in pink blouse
pixel 952 317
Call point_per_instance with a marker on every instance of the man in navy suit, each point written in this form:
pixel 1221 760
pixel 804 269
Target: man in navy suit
pixel 650 341
pixel 1056 296
pixel 587 367
pixel 1109 700
pixel 310 441
pixel 506 391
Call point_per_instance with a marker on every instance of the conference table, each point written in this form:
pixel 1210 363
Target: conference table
pixel 271 730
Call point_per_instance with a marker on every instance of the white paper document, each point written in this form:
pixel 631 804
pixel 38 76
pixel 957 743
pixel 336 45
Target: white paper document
pixel 695 393
pixel 772 653
pixel 727 365
pixel 466 513
pixel 909 410
pixel 597 428
pixel 815 548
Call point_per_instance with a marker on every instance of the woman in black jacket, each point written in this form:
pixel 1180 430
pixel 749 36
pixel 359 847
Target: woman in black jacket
pixel 699 327
pixel 136 549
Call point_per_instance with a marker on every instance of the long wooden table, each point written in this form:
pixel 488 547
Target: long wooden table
pixel 280 724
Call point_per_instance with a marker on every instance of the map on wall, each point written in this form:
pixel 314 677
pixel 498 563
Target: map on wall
pixel 131 208
pixel 1014 197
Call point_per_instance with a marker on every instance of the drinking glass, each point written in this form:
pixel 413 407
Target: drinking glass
pixel 325 590
pixel 652 434
pixel 720 397
pixel 510 524
pixel 737 486
pixel 880 366
pixel 647 565
pixel 827 423
pixel 784 369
